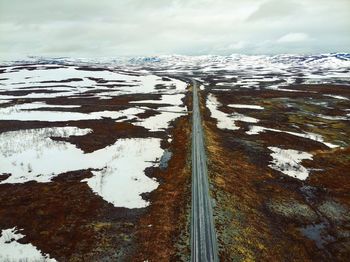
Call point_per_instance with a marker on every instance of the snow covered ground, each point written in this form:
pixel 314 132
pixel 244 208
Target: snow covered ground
pixel 32 154
pixel 149 93
pixel 288 161
pixel 226 121
pixel 11 250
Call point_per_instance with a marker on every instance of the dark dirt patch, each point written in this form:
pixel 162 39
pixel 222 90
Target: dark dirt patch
pixel 147 114
pixel 89 68
pixel 69 80
pixel 27 92
pixel 105 132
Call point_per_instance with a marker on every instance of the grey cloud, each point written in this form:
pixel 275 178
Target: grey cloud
pixel 277 9
pixel 108 28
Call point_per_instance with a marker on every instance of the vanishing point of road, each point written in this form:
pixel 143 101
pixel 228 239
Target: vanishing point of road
pixel 203 236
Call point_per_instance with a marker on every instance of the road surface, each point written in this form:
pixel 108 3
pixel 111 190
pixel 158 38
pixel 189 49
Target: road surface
pixel 203 236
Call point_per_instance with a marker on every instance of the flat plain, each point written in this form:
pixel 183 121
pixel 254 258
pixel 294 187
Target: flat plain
pixel 95 158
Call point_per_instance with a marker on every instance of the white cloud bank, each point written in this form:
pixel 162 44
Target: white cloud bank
pixel 108 28
pixel 293 38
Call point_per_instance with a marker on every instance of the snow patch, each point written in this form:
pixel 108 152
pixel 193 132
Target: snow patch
pixel 255 130
pixel 288 162
pixel 246 106
pixel 23 113
pixel 12 250
pixel 338 97
pixel 226 121
pixel 31 155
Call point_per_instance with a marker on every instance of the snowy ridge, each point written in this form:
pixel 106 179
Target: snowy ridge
pixel 323 60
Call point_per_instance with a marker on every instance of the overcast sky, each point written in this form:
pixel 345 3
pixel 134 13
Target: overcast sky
pixel 111 28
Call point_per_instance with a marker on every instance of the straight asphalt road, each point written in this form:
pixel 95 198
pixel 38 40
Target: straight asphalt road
pixel 203 236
